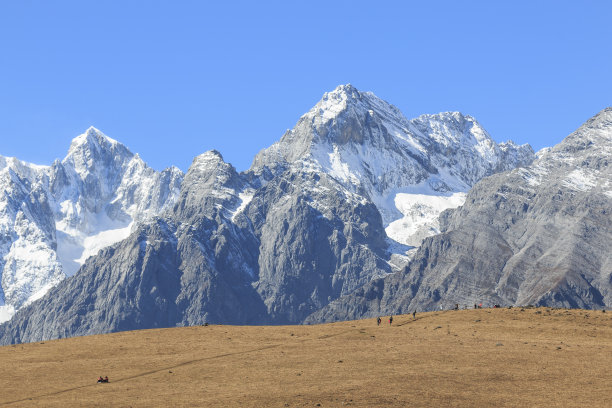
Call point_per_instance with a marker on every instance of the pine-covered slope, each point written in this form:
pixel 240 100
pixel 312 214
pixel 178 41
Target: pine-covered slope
pixel 538 235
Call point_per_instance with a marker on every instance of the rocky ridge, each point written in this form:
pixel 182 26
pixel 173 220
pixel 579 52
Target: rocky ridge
pixel 536 235
pixel 273 245
pixel 410 169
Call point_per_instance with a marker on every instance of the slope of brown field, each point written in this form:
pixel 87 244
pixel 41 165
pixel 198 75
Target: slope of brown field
pixel 471 358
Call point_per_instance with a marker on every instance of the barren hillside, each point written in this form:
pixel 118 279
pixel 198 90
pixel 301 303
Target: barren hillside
pixel 467 358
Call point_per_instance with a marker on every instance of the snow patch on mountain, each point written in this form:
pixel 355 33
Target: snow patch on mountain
pixel 6 312
pixel 534 174
pixel 75 246
pixel 580 180
pixel 245 198
pixel 420 215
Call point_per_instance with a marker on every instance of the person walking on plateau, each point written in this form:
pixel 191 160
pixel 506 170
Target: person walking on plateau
pixel 414 315
pixel 390 320
pixel 378 321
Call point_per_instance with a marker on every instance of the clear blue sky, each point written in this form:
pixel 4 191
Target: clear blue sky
pixel 172 79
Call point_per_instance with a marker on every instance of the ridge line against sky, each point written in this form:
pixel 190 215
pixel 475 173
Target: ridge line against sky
pixel 171 80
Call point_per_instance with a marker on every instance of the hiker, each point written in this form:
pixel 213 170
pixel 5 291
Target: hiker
pixel 378 320
pixel 414 315
pixel 456 306
pixel 105 378
pixel 100 379
pixel 390 320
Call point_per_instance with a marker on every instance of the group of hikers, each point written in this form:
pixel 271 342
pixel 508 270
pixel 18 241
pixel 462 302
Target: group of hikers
pixel 379 319
pixel 456 307
pixel 103 380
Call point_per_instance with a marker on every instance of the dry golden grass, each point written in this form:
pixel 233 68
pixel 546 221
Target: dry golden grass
pixel 472 358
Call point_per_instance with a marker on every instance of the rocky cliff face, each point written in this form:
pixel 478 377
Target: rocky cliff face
pixel 245 256
pixel 303 227
pixel 28 259
pixel 411 170
pixel 537 235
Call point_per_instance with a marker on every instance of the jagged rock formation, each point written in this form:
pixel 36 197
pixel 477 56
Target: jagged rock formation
pixel 303 227
pixel 538 235
pixel 28 259
pixel 410 169
pixel 52 218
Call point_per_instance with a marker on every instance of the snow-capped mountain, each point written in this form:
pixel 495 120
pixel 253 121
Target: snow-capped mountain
pixel 99 191
pixel 52 218
pixel 410 169
pixel 539 235
pixel 28 259
pixel 303 227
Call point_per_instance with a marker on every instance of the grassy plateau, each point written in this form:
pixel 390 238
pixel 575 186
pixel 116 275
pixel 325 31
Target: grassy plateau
pixel 532 357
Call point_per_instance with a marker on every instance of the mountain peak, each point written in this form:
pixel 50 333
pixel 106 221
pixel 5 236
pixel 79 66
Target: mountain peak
pixel 93 139
pixel 594 134
pixel 345 101
pixel 453 127
pixel 346 89
pixel 338 118
pixel 449 116
pixel 211 155
pixel 207 162
pixel 94 149
pixel 334 102
pixel 602 119
pixel 92 130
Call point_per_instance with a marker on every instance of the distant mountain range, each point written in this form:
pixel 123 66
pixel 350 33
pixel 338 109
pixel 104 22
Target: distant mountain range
pixel 327 224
